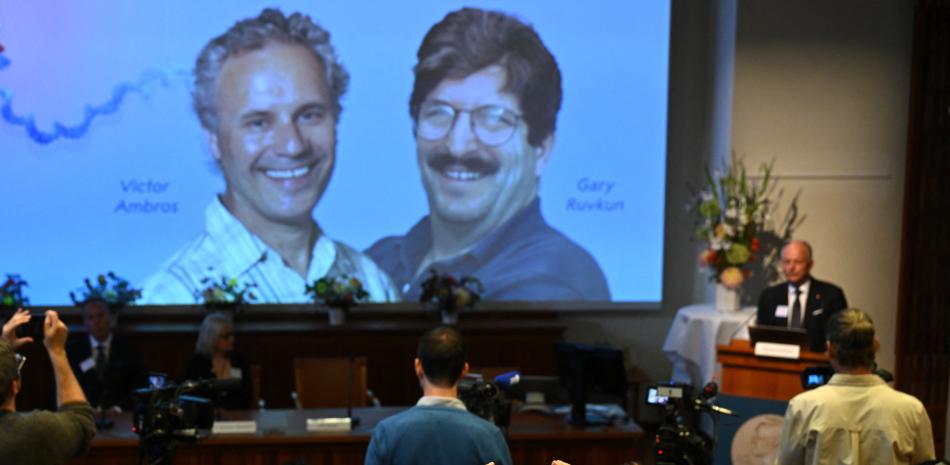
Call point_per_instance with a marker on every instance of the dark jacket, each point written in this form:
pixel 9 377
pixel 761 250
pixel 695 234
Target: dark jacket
pixel 125 371
pixel 198 367
pixel 824 299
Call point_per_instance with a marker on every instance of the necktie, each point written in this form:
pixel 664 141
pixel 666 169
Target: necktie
pixel 797 309
pixel 101 362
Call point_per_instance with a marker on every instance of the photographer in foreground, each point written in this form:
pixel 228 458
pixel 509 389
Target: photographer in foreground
pixel 856 417
pixel 41 437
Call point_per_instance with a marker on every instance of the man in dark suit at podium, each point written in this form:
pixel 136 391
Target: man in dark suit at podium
pixel 108 365
pixel 802 301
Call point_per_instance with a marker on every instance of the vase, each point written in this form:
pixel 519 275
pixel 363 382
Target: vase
pixel 450 318
pixel 727 300
pixel 337 316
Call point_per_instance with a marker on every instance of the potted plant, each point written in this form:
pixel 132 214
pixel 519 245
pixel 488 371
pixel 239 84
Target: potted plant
pixel 224 293
pixel 116 291
pixel 731 212
pixel 339 294
pixel 448 296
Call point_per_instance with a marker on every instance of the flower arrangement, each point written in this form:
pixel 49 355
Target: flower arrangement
pixel 224 292
pixel 732 211
pixel 114 290
pixel 342 291
pixel 11 292
pixel 444 292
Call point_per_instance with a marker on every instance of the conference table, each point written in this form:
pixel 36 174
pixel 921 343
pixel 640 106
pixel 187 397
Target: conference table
pixel 282 438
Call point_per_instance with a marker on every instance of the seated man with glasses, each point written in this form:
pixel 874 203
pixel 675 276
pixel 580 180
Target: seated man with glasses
pixel 40 436
pixel 485 101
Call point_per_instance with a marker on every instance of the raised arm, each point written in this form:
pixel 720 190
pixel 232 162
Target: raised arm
pixel 68 390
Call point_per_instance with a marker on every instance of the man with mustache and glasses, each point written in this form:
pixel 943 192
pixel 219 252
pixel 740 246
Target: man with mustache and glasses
pixel 268 93
pixel 485 101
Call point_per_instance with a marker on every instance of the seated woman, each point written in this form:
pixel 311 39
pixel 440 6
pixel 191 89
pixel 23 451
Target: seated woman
pixel 214 358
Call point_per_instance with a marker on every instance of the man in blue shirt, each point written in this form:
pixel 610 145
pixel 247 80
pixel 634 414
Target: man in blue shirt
pixel 438 429
pixel 485 101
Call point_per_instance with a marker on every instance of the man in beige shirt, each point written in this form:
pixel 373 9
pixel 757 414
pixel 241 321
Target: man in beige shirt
pixel 856 418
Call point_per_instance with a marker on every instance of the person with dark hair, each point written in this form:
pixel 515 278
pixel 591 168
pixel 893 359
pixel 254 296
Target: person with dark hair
pixel 438 429
pixel 41 437
pixel 856 417
pixel 801 301
pixel 484 104
pixel 215 358
pixel 108 364
pixel 267 93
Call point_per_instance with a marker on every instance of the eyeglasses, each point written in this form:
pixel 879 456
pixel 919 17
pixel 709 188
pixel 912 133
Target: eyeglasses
pixel 20 360
pixel 491 124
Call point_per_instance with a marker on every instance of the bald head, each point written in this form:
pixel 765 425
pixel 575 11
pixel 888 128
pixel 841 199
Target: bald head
pixel 796 261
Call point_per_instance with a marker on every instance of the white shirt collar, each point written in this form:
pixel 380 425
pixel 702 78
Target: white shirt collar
pixel 804 287
pixel 439 401
pixel 107 344
pixel 245 250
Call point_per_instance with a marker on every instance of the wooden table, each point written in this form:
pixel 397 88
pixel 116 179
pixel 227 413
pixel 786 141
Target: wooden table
pixel 282 438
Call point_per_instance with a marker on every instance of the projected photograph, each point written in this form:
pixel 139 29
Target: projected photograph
pixel 178 143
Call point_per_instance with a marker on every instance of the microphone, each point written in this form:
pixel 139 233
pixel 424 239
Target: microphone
pixel 506 380
pixel 744 323
pixel 354 421
pixel 704 401
pixel 700 405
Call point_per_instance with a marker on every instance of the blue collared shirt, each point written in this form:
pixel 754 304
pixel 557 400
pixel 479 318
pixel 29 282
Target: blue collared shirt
pixel 525 259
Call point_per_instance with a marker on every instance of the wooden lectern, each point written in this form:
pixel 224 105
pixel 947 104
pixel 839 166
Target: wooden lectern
pixel 745 374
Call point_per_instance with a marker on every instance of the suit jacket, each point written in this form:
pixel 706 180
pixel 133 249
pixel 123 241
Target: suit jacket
pixel 125 372
pixel 824 299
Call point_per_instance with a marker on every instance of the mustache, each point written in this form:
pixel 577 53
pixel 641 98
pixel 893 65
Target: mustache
pixel 474 161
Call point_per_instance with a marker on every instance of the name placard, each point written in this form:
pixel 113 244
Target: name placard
pixel 774 349
pixel 234 427
pixel 328 424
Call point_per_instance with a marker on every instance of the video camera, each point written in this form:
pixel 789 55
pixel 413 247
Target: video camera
pixel 819 375
pixel 167 414
pixel 487 399
pixel 679 440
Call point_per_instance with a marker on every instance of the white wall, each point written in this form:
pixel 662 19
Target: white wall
pixel 823 88
pixel 820 87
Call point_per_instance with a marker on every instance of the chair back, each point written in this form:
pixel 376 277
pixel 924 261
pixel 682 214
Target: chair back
pixel 330 381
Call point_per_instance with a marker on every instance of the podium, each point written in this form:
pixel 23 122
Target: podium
pixel 748 375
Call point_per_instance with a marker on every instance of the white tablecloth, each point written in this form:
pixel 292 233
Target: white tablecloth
pixel 691 342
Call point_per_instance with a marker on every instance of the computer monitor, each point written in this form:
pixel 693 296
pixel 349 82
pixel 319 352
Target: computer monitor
pixel 778 334
pixel 584 370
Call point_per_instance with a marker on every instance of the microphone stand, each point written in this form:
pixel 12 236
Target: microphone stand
pixel 103 423
pixel 354 421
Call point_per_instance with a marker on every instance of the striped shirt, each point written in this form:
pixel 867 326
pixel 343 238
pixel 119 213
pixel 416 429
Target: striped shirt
pixel 228 248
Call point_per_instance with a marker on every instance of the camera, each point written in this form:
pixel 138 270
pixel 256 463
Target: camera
pixel 816 376
pixel 167 414
pixel 679 439
pixel 819 375
pixel 486 400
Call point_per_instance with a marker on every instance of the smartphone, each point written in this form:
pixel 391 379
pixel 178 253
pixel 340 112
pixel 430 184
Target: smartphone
pixel 32 328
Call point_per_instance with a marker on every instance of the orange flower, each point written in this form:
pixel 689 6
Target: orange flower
pixel 731 277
